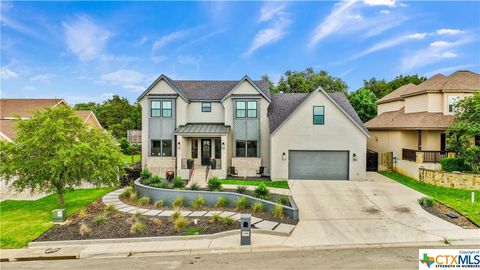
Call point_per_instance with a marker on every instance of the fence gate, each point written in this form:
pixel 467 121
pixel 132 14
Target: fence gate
pixel 372 161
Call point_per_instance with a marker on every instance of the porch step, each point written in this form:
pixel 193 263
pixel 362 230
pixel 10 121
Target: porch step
pixel 198 177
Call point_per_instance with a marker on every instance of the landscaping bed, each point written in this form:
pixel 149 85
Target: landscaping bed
pixel 441 211
pixel 98 221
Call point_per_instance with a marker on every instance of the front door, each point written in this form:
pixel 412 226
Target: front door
pixel 442 142
pixel 206 152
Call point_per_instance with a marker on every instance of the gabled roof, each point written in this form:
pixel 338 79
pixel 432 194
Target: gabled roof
pixel 401 120
pixel 207 89
pixel 396 94
pixel 13 107
pixel 284 105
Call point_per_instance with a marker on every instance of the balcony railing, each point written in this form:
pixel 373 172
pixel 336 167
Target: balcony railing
pixel 426 156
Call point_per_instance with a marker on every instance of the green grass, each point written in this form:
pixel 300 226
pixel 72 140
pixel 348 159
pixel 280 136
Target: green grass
pixel 128 158
pixel 273 184
pixel 458 199
pixel 24 221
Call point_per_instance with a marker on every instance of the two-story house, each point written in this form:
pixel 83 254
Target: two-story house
pixel 241 124
pixel 412 120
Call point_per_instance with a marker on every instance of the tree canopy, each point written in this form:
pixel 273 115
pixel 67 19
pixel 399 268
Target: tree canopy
pixel 308 81
pixel 364 102
pixel 381 87
pixel 54 150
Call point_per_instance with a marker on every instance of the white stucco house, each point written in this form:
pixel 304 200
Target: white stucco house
pixel 238 126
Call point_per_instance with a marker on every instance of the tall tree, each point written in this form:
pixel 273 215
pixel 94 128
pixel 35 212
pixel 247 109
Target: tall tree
pixel 308 81
pixel 364 102
pixel 266 78
pixel 54 150
pixel 381 87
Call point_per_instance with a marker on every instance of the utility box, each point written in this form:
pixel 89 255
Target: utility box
pixel 59 215
pixel 245 229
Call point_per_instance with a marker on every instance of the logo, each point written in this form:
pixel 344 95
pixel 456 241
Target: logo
pixel 449 259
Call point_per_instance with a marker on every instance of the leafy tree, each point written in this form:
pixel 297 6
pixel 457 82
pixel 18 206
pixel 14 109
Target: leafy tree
pixel 308 81
pixel 462 132
pixel 266 78
pixel 364 102
pixel 90 106
pixel 381 87
pixel 54 151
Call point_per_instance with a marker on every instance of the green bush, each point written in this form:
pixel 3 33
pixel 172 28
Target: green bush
pixel 242 203
pixel 178 202
pixel 257 207
pixel 101 219
pixel 228 221
pixel 198 202
pixel 262 192
pixel 176 215
pixel 143 201
pixel 426 201
pixel 178 183
pixel 181 223
pixel 152 180
pixel 214 184
pixel 194 231
pixel 222 202
pixel 454 164
pixel 216 218
pixel 125 146
pixel 137 227
pixel 278 211
pixel 284 200
pixel 145 174
pixel 195 186
pixel 241 189
pixel 111 209
pixel 159 203
pixel 162 184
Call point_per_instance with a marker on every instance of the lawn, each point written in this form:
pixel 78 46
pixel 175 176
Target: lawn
pixel 273 184
pixel 128 158
pixel 23 221
pixel 458 199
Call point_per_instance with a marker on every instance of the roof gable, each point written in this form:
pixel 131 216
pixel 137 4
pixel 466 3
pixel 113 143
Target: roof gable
pixel 169 82
pixel 266 95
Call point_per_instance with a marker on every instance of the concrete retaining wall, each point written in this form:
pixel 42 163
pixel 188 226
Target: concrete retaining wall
pixel 448 179
pixel 168 195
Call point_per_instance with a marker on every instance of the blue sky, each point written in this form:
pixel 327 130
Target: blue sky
pixel 87 51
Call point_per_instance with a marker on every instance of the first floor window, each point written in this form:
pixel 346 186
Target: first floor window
pixel 206 106
pixel 162 148
pixel 166 148
pixel 251 148
pixel 218 148
pixel 318 115
pixel 241 149
pixel 156 147
pixel 246 149
pixel 194 148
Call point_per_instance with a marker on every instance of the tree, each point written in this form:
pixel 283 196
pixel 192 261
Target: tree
pixel 308 81
pixel 266 78
pixel 89 106
pixel 381 87
pixel 461 134
pixel 364 102
pixel 54 151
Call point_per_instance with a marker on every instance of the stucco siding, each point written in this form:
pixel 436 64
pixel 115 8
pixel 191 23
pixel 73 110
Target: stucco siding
pixel 435 102
pixel 416 104
pixel 162 88
pixel 299 133
pixel 195 114
pixel 390 106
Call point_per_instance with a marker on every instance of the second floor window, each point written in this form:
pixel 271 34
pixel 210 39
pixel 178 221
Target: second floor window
pixel 161 108
pixel 156 108
pixel 167 108
pixel 318 115
pixel 246 109
pixel 240 109
pixel 206 106
pixel 452 104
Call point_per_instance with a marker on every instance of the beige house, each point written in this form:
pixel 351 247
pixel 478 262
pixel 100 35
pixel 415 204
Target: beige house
pixel 239 128
pixel 11 109
pixel 412 120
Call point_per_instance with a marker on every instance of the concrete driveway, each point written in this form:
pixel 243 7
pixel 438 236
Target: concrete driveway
pixel 375 211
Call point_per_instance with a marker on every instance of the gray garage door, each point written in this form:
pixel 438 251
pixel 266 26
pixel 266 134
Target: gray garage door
pixel 318 165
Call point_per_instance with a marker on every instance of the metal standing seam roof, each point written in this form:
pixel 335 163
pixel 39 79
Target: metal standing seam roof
pixel 202 128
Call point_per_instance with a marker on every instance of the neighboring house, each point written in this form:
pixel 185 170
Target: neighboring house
pixel 412 120
pixel 11 109
pixel 241 124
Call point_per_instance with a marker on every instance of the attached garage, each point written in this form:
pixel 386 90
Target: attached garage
pixel 318 165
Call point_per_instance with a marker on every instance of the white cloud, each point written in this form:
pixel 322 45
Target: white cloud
pixel 128 79
pixel 268 35
pixel 85 38
pixel 141 41
pixel 7 74
pixel 43 77
pixel 384 11
pixel 389 3
pixel 158 59
pixel 390 43
pixel 447 70
pixel 29 87
pixel 169 38
pixel 270 10
pixel 447 31
pixel 189 60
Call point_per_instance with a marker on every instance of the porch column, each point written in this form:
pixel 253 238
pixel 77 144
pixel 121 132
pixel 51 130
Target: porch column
pixel 223 146
pixel 419 135
pixel 180 146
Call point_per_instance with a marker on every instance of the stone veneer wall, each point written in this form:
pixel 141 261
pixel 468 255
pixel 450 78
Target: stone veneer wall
pixel 160 165
pixel 247 166
pixel 448 179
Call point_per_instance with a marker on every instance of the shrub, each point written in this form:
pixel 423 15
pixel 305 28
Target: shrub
pixel 241 189
pixel 162 184
pixel 178 183
pixel 284 200
pixel 242 203
pixel 101 219
pixel 278 211
pixel 111 209
pixel 426 201
pixel 145 174
pixel 216 217
pixel 137 227
pixel 176 215
pixel 143 201
pixel 198 202
pixel 222 202
pixel 138 215
pixel 178 202
pixel 214 184
pixel 195 186
pixel 125 146
pixel 84 229
pixel 228 221
pixel 454 164
pixel 193 231
pixel 133 197
pixel 159 203
pixel 82 213
pixel 154 180
pixel 181 223
pixel 127 192
pixel 262 192
pixel 257 207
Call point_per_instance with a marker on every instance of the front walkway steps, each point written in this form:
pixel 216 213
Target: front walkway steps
pixel 277 228
pixel 198 177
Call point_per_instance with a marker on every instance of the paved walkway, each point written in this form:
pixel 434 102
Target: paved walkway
pixel 113 199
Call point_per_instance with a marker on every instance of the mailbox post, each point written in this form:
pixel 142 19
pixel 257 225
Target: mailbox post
pixel 245 229
pixel 58 215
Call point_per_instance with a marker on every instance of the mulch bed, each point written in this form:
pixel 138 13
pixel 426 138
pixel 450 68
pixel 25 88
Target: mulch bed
pixel 441 211
pixel 118 226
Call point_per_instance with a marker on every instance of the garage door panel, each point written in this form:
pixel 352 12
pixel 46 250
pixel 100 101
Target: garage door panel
pixel 318 165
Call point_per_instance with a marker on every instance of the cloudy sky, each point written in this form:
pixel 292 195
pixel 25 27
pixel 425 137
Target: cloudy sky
pixel 86 51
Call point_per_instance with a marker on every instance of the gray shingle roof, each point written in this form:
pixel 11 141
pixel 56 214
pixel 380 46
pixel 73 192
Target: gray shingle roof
pixel 284 104
pixel 202 128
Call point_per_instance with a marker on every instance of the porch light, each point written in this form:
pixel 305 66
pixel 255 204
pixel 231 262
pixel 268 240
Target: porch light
pixel 354 157
pixel 178 145
pixel 223 145
pixel 284 156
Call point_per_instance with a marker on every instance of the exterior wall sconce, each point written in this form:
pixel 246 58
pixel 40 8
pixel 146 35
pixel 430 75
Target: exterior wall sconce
pixel 223 145
pixel 178 145
pixel 376 138
pixel 284 156
pixel 354 157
